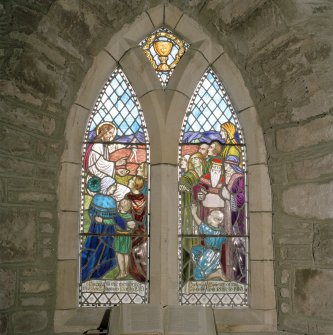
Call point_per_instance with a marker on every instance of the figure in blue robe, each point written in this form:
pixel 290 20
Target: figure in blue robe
pixel 207 257
pixel 98 256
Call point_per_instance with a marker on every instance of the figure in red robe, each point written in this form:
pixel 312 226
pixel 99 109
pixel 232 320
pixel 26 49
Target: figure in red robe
pixel 139 252
pixel 212 194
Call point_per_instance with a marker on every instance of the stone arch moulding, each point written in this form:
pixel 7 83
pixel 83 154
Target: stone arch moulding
pixel 164 111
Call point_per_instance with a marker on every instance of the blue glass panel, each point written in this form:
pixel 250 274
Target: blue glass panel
pixel 208 110
pixel 118 104
pixel 212 230
pixel 114 228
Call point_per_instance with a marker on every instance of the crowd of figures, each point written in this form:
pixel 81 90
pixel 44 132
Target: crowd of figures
pixel 212 189
pixel 212 205
pixel 116 186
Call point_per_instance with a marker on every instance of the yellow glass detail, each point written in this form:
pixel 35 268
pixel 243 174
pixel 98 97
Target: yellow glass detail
pixel 164 51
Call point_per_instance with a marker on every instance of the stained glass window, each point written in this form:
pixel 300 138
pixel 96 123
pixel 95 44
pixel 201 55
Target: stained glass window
pixel 114 228
pixel 164 50
pixel 212 230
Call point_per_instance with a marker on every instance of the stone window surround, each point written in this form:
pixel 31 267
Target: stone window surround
pixel 164 112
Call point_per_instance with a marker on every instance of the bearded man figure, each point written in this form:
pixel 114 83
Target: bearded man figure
pixel 96 161
pixel 211 192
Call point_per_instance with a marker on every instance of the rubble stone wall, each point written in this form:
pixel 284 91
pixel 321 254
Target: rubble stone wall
pixel 283 49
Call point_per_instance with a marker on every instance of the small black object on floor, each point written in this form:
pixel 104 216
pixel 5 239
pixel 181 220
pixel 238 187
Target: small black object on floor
pixel 103 327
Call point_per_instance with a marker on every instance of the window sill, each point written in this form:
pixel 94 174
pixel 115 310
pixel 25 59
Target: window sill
pixel 227 320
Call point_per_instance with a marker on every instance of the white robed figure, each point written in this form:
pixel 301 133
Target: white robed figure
pixel 98 163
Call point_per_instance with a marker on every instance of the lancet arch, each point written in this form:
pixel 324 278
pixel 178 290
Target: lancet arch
pixel 114 225
pixel 213 233
pixel 164 111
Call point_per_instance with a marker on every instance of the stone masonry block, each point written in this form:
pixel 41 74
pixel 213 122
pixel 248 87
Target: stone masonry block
pixel 130 36
pixel 157 172
pixel 293 323
pixel 34 286
pixel 254 139
pixel 188 73
pixel 37 271
pixel 33 301
pixel 309 298
pixel 69 197
pixel 31 197
pixel 174 120
pixel 101 69
pixel 17 234
pixel 16 167
pixel 291 230
pixel 323 243
pixel 4 324
pixel 66 283
pixel 77 320
pixel 233 82
pixel 260 198
pixel 235 11
pixel 48 152
pixel 309 200
pixel 27 118
pixel 66 16
pixel 285 307
pixel 171 215
pixel 261 243
pixel 16 143
pixel 296 253
pixel 156 15
pixel 172 15
pixel 324 327
pixel 74 133
pixel 7 288
pixel 154 110
pixel 68 235
pixel 9 89
pixel 48 172
pixel 296 137
pixel 139 72
pixel 30 321
pixel 194 34
pixel 285 275
pixel 262 285
pixel 317 105
pixel 312 168
pixel 42 77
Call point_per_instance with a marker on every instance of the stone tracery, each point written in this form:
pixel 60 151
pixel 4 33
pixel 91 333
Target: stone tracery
pixel 282 50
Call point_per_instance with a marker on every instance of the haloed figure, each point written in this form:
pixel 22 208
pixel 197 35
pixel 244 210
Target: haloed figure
pixel 97 160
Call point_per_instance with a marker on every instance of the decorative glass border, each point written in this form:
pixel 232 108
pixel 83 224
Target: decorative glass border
pixel 230 294
pixel 99 293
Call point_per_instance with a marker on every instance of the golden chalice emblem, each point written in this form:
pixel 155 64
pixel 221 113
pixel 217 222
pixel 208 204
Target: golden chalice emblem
pixel 163 49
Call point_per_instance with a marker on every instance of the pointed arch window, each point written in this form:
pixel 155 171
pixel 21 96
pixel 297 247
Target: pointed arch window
pixel 212 229
pixel 114 225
